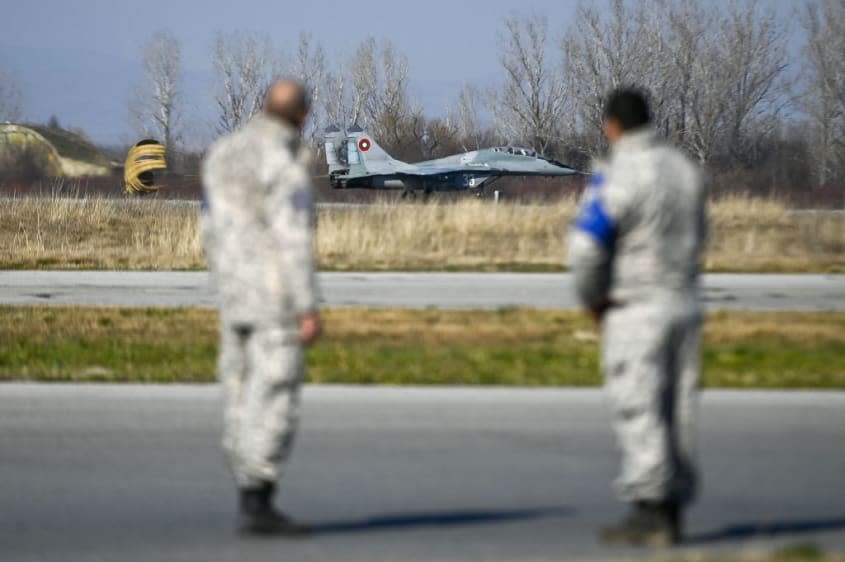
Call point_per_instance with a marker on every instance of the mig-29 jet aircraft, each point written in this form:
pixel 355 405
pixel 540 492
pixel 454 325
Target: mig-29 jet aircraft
pixel 356 161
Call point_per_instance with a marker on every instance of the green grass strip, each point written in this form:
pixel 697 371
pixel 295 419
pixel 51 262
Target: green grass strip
pixel 507 347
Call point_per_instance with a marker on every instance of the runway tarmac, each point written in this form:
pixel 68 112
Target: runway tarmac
pixel 134 473
pixel 407 290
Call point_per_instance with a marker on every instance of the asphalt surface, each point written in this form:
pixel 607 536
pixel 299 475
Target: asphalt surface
pixel 132 473
pixel 407 290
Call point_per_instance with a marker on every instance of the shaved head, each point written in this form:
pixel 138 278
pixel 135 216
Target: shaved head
pixel 288 101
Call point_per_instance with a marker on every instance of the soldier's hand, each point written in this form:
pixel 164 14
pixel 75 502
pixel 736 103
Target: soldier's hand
pixel 600 310
pixel 310 328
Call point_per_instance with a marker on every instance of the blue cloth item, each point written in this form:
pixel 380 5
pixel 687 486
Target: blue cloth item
pixel 595 221
pixel 596 180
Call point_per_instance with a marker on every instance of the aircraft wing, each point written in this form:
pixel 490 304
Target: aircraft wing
pixel 488 171
pixel 443 170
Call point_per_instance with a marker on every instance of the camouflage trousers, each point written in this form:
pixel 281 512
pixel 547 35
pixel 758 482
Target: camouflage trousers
pixel 651 362
pixel 261 369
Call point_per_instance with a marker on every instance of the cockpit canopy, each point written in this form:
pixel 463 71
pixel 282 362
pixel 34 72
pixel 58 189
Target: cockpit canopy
pixel 517 151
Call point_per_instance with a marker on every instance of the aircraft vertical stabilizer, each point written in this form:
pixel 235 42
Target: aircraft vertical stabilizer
pixel 355 152
pixel 368 149
pixel 335 141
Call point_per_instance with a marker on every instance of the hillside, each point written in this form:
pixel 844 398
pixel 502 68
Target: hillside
pixel 73 146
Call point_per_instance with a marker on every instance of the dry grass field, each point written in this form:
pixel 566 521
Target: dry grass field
pixel 801 552
pixel 54 233
pixel 98 233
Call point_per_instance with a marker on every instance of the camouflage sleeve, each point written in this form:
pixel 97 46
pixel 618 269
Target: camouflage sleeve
pixel 291 216
pixel 590 264
pixel 703 218
pixel 205 222
pixel 592 241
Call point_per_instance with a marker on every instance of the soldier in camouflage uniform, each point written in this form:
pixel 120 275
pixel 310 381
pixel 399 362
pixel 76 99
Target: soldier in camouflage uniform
pixel 257 228
pixel 635 252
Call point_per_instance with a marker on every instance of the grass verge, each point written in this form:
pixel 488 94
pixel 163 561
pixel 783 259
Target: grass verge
pixel 469 235
pixel 797 553
pixel 507 347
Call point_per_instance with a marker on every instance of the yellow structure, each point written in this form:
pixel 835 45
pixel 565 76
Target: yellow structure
pixel 143 159
pixel 26 151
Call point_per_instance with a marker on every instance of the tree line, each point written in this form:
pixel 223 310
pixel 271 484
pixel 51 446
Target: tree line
pixel 721 80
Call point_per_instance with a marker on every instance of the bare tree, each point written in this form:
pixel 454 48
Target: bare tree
pixel 335 98
pixel 394 110
pixel 371 90
pixel 606 51
pixel 755 61
pixel 309 67
pixel 244 66
pixel 704 130
pixel 349 88
pixel 155 106
pixel 684 25
pixel 364 82
pixel 696 76
pixel 464 118
pixel 713 73
pixel 728 70
pixel 533 99
pixel 11 100
pixel 823 99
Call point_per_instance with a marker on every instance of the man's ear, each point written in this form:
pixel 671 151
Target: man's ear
pixel 613 129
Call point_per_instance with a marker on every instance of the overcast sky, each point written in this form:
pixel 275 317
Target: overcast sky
pixel 77 59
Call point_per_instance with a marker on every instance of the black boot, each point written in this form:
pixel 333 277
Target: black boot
pixel 259 517
pixel 655 524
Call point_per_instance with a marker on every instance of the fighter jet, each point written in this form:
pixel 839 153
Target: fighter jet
pixel 356 161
